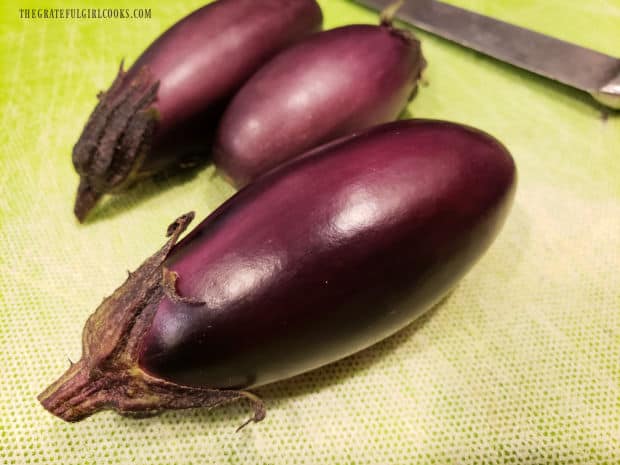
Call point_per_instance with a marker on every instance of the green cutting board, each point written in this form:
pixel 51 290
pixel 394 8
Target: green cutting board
pixel 519 365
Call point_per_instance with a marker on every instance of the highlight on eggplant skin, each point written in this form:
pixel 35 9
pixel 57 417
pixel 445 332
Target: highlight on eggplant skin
pixel 165 108
pixel 329 85
pixel 319 258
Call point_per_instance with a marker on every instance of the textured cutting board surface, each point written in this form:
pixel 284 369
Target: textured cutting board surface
pixel 520 364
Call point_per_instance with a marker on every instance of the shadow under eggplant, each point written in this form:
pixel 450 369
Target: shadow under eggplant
pixel 113 205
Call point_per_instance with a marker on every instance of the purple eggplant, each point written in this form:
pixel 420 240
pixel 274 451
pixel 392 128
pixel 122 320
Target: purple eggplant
pixel 329 85
pixel 318 259
pixel 164 108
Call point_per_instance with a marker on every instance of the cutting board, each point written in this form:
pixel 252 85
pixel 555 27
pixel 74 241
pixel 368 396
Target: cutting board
pixel 520 364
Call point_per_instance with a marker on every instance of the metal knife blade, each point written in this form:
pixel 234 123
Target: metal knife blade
pixel 579 67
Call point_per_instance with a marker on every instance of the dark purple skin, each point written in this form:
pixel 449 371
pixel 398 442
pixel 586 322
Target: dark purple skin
pixel 329 85
pixel 165 108
pixel 318 259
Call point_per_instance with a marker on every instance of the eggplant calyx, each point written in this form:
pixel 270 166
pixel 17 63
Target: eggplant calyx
pixel 116 138
pixel 108 375
pixel 84 390
pixel 169 280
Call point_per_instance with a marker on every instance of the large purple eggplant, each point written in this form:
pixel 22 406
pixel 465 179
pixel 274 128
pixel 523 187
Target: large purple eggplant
pixel 164 107
pixel 329 85
pixel 323 256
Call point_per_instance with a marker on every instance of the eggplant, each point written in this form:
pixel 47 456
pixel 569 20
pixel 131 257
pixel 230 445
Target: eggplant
pixel 321 257
pixel 329 85
pixel 164 110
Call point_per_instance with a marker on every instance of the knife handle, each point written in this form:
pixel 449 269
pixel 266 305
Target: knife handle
pixel 609 94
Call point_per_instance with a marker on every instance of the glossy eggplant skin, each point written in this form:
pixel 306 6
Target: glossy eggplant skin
pixel 167 105
pixel 329 253
pixel 327 86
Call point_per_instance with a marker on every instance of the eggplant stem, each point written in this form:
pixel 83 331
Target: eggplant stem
pixel 85 199
pixel 108 375
pixel 389 12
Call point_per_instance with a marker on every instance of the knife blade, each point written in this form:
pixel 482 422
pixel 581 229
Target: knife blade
pixel 573 65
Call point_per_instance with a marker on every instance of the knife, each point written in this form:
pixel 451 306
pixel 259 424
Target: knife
pixel 579 67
